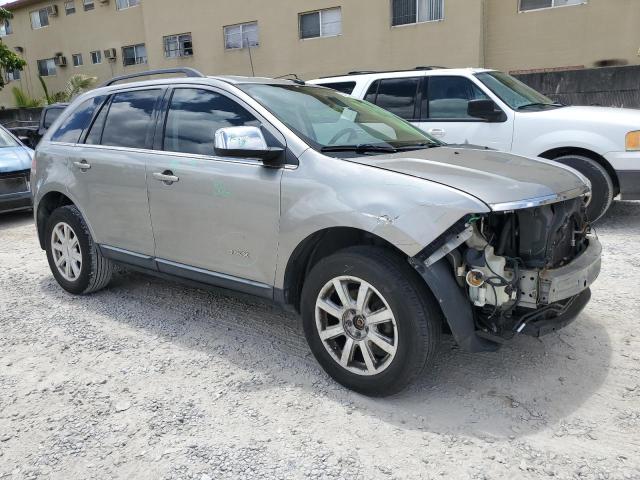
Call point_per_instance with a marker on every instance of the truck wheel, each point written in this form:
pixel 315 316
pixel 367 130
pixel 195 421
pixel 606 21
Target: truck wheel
pixel 370 322
pixel 74 259
pixel 601 184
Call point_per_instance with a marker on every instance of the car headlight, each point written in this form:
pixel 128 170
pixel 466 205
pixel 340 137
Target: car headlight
pixel 632 142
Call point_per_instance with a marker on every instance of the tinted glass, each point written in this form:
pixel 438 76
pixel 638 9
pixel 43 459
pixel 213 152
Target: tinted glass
pixel 398 95
pixel 449 97
pixel 73 126
pixel 130 119
pixel 95 133
pixel 372 92
pixel 344 87
pixel 51 116
pixel 195 116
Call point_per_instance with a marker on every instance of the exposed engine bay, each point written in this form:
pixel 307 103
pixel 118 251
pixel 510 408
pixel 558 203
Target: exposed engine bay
pixel 522 266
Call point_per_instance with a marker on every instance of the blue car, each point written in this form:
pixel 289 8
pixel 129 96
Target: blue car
pixel 15 170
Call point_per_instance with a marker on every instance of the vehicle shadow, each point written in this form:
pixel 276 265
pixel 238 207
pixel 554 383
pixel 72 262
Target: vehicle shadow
pixel 528 385
pixel 622 215
pixel 15 219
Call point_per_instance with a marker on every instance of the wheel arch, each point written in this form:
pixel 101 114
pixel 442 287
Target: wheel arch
pixel 320 245
pixel 554 153
pixel 46 206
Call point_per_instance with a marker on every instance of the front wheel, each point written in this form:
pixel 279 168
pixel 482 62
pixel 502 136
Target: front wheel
pixel 602 189
pixel 370 322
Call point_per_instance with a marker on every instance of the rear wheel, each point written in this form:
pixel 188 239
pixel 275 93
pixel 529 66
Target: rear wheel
pixel 74 259
pixel 370 322
pixel 602 189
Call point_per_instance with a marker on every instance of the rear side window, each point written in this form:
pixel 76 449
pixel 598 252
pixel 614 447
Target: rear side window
pixel 129 122
pixel 73 126
pixel 448 98
pixel 398 95
pixel 344 87
pixel 194 117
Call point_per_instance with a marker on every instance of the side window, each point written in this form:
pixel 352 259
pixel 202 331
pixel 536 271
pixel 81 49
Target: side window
pixel 398 95
pixel 95 132
pixel 76 123
pixel 344 87
pixel 129 121
pixel 448 98
pixel 194 117
pixel 372 92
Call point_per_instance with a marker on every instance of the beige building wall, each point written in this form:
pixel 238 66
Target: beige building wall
pixel 368 41
pixel 473 33
pixel 576 35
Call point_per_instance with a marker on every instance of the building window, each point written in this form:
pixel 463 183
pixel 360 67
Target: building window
pixel 47 67
pixel 70 7
pixel 405 12
pixel 39 18
pixel 122 4
pixel 178 45
pixel 134 55
pixel 96 57
pixel 241 36
pixel 322 23
pixel 6 28
pixel 88 5
pixel 77 59
pixel 538 4
pixel 13 75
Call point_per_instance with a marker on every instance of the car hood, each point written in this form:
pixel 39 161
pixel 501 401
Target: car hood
pixel 14 159
pixel 623 117
pixel 501 180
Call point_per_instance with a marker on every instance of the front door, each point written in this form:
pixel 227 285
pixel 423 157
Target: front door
pixel 109 174
pixel 214 219
pixel 444 114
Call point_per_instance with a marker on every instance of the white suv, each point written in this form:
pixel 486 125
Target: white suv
pixel 493 109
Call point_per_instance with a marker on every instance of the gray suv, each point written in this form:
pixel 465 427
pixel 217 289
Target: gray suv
pixel 382 237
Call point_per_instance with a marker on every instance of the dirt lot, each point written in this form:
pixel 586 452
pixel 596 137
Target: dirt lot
pixel 152 380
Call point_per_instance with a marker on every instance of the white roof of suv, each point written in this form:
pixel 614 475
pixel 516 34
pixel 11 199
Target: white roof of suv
pixel 367 76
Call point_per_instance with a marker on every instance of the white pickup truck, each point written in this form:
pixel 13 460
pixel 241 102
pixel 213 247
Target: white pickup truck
pixel 493 109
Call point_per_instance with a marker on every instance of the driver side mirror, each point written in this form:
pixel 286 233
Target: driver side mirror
pixel 485 109
pixel 246 142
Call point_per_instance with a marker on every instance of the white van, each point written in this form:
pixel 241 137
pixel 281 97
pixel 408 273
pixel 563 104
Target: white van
pixel 493 109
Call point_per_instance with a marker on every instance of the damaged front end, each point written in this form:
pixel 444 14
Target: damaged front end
pixel 520 271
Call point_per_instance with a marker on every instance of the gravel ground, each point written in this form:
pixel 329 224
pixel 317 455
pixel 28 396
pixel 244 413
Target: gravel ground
pixel 152 380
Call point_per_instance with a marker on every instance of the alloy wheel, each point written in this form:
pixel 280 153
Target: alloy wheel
pixel 66 251
pixel 356 325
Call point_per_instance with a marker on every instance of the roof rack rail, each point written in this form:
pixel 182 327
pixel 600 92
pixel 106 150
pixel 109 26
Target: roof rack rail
pixel 188 72
pixel 367 72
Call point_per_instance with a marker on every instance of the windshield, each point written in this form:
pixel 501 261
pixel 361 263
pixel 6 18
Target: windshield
pixel 6 140
pixel 327 119
pixel 515 93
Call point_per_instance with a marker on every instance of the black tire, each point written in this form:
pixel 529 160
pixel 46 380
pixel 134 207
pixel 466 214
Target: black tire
pixel 418 318
pixel 602 189
pixel 95 271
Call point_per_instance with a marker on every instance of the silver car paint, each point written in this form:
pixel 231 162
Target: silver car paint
pixel 407 200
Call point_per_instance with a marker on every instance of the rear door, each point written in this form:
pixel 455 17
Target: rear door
pixel 109 170
pixel 400 96
pixel 218 221
pixel 443 114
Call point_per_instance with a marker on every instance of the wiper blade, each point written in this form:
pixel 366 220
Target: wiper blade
pixel 416 146
pixel 361 148
pixel 539 104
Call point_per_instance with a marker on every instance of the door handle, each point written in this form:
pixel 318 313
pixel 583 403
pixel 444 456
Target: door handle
pixel 436 132
pixel 83 165
pixel 167 177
